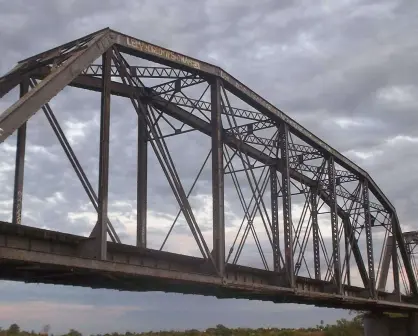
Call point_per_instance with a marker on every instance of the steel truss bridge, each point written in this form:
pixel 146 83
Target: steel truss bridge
pixel 331 236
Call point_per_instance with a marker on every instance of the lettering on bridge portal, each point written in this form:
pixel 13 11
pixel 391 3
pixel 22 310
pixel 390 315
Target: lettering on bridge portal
pixel 158 51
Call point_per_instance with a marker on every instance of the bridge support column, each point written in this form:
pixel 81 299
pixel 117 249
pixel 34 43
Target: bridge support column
pixel 217 178
pixel 20 163
pixel 101 238
pixel 384 325
pixel 332 184
pixel 275 219
pixel 287 205
pixel 141 237
pixel 315 232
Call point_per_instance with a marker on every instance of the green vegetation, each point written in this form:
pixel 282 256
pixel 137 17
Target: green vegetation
pixel 342 327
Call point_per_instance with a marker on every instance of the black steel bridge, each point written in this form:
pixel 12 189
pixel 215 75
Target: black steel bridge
pixel 332 237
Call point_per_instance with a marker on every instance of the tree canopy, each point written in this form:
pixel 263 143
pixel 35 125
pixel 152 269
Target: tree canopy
pixel 342 327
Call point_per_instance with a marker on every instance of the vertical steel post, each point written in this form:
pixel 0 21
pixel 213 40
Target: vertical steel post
pixel 400 240
pixel 387 256
pixel 347 253
pixel 287 204
pixel 334 224
pixel 315 233
pixel 275 218
pixel 20 163
pixel 395 264
pixel 104 156
pixel 369 240
pixel 217 178
pixel 141 237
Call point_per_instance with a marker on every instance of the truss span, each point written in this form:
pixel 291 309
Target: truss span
pixel 318 221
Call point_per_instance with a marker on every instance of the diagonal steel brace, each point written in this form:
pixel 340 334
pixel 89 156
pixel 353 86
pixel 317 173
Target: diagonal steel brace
pixel 75 163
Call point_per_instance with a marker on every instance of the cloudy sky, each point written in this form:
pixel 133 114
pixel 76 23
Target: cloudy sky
pixel 344 69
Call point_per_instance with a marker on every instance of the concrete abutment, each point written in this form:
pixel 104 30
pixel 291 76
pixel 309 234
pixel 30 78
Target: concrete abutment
pixel 385 325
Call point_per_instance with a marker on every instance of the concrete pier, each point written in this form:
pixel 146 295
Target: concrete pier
pixel 383 325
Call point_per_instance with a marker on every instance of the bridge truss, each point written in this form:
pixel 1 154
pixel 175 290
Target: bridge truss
pixel 318 221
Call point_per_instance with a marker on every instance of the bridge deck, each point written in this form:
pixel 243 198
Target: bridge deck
pixel 36 255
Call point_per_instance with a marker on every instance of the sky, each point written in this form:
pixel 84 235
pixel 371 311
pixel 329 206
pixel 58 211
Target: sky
pixel 345 70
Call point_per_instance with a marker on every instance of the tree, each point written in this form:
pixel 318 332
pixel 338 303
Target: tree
pixel 222 330
pixel 344 327
pixel 74 332
pixel 14 329
pixel 46 328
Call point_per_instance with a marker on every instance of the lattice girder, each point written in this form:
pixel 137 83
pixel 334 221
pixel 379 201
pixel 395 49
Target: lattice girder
pixel 354 199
